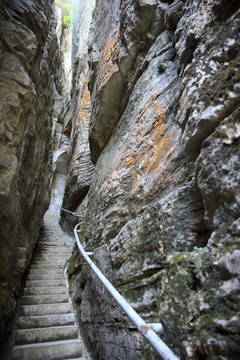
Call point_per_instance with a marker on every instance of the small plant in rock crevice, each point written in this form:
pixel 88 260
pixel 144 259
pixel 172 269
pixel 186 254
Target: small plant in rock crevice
pixel 67 11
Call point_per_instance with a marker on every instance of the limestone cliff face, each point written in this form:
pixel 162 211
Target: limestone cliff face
pixel 162 216
pixel 28 57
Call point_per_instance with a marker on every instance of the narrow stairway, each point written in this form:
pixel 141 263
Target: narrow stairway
pixel 46 328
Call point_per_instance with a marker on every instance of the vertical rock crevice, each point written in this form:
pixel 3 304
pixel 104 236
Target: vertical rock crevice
pixel 76 118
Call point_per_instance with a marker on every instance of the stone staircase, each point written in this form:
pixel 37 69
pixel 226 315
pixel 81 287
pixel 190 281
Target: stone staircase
pixel 46 328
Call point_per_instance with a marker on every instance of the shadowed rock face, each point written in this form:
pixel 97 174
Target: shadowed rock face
pixel 28 56
pixel 163 206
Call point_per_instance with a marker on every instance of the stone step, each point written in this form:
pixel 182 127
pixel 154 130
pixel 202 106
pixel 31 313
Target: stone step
pixel 47 259
pixel 47 262
pixel 53 247
pixel 45 283
pixel 54 255
pixel 61 259
pixel 59 241
pixel 55 252
pixel 57 333
pixel 54 236
pixel 55 242
pixel 27 322
pixel 51 270
pixel 52 276
pixel 46 267
pixel 54 232
pixel 52 229
pixel 45 309
pixel 45 290
pixel 49 351
pixel 44 299
pixel 56 239
pixel 51 257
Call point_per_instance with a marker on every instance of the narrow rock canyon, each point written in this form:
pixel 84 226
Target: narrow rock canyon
pixel 128 113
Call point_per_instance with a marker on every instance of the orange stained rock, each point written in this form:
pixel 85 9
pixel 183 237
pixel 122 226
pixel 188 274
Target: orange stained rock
pixel 109 58
pixel 130 161
pixel 147 156
pixel 155 151
pixel 85 108
pixel 85 96
pixel 83 121
pixel 153 147
pixel 157 145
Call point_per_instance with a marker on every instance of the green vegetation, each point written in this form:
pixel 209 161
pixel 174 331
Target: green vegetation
pixel 92 7
pixel 67 11
pixel 67 20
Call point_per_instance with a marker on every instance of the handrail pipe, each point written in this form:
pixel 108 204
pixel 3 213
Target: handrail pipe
pixel 71 212
pixel 161 348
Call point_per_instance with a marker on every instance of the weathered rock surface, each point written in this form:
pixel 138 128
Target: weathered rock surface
pixel 163 206
pixel 28 56
pixel 120 39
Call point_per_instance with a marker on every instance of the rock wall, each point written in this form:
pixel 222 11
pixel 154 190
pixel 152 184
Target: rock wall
pixel 162 213
pixel 28 57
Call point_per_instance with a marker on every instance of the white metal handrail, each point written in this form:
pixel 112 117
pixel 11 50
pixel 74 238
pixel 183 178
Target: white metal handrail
pixel 145 329
pixel 71 212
